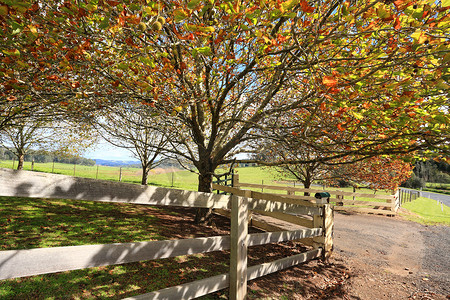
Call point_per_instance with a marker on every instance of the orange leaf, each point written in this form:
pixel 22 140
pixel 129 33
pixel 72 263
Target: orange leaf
pixel 52 77
pixel 397 24
pixel 306 7
pixel 11 98
pixel 112 2
pixel 339 126
pixel 399 4
pixel 329 81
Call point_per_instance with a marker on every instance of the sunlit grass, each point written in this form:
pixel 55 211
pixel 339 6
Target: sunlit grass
pixel 429 212
pixel 38 223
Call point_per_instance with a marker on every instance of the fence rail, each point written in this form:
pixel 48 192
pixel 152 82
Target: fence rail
pixel 406 195
pixel 343 201
pixel 19 263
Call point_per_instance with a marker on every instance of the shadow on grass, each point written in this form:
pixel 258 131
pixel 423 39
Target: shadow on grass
pixel 32 223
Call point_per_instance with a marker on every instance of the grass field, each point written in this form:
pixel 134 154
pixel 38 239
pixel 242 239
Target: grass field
pixel 34 223
pixel 429 212
pixel 184 179
pixel 442 186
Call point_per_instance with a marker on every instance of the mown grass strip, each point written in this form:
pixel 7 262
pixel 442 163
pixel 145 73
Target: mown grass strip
pixel 430 212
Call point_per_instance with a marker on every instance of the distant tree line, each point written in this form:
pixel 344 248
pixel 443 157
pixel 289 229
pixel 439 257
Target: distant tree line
pixel 46 157
pixel 428 171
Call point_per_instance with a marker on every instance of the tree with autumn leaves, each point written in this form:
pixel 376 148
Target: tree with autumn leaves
pixel 374 172
pixel 219 72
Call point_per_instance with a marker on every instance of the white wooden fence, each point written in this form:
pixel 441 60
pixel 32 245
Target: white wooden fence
pixel 19 263
pixel 344 201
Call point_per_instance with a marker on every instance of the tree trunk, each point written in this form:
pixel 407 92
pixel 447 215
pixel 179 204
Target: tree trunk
pixel 21 158
pixel 307 185
pixel 145 171
pixel 204 215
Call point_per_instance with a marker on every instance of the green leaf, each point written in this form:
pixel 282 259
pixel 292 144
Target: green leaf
pixel 193 4
pixel 383 13
pixel 104 23
pixel 180 15
pixel 288 5
pixel 14 52
pixel 17 28
pixel 65 9
pixel 202 50
pixel 123 66
pixel 148 61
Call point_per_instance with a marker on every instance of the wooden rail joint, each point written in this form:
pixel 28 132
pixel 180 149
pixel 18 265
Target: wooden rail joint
pixel 324 220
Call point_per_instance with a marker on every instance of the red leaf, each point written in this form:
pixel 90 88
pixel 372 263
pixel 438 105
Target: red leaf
pixel 329 81
pixel 306 7
pixel 397 24
pixel 112 2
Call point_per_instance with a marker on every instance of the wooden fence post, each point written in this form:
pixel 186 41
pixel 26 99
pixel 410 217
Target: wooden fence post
pixel 340 199
pixel 53 166
pixel 238 251
pixel 396 202
pixel 120 174
pixel 318 241
pixel 96 174
pixel 74 167
pixel 325 221
pixel 235 180
pixel 328 228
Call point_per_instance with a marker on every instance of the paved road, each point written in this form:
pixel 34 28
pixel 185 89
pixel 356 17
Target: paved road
pixel 435 196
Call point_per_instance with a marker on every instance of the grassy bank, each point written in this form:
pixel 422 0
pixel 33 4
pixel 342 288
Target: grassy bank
pixel 428 212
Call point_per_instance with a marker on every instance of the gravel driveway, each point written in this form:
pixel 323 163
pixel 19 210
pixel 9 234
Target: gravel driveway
pixel 411 251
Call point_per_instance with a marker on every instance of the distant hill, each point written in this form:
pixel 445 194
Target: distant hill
pixel 116 163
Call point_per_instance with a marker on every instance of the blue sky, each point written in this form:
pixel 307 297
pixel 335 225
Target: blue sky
pixel 109 152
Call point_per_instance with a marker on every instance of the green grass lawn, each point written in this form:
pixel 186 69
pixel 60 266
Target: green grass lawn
pixel 443 186
pixel 35 223
pixel 38 223
pixel 429 212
